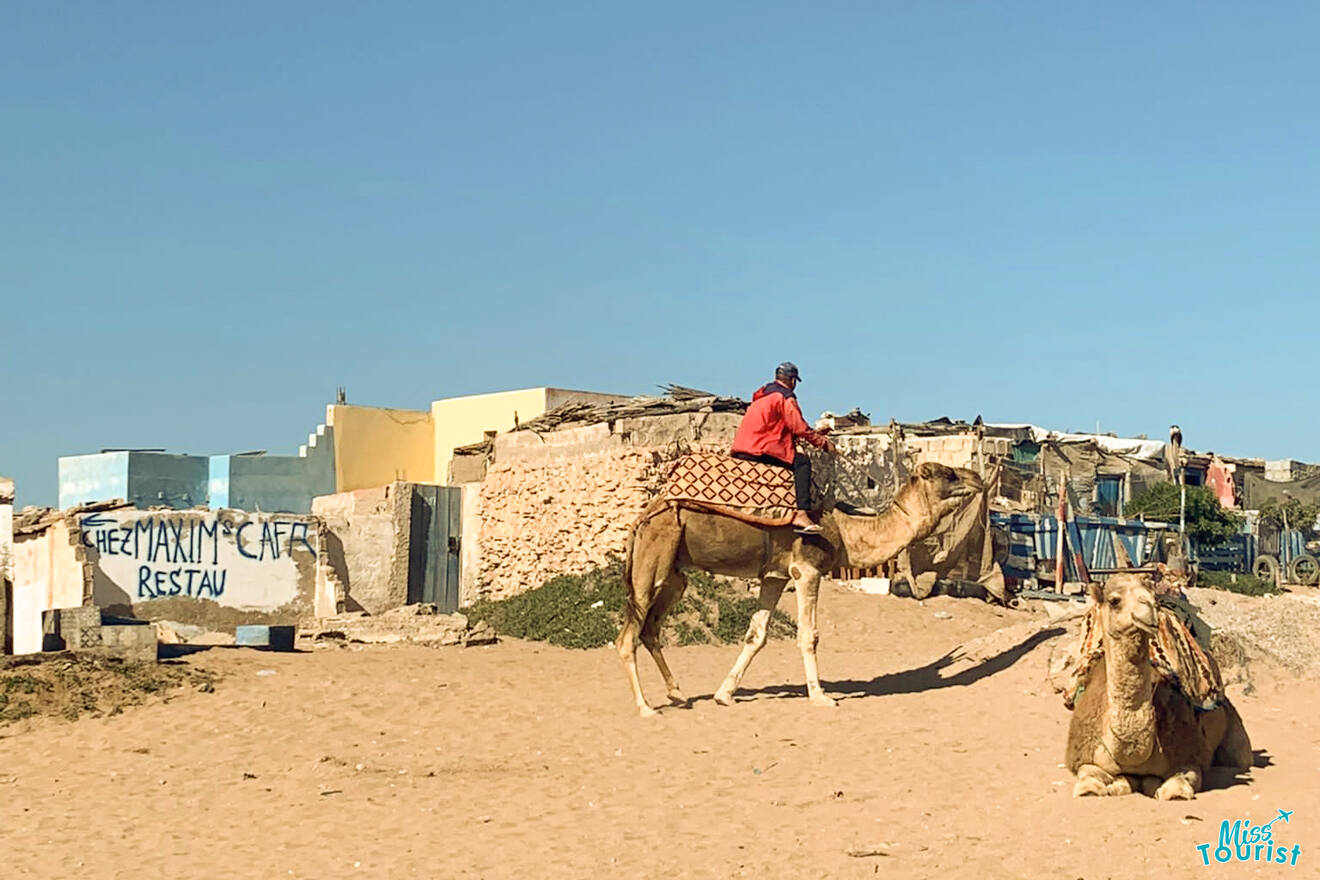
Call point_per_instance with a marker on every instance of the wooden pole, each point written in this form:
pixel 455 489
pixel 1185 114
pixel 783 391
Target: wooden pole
pixel 1060 519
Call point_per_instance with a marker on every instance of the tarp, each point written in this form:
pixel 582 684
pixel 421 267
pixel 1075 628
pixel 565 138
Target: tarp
pixel 1133 447
pixel 1258 490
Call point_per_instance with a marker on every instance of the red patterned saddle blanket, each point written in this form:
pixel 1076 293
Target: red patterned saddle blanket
pixel 719 479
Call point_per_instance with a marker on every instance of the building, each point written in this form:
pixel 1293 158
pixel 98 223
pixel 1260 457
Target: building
pixel 357 447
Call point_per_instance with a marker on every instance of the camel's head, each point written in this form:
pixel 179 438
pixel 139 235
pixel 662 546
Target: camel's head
pixel 1127 604
pixel 939 482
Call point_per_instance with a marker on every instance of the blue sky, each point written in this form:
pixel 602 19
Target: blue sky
pixel 211 215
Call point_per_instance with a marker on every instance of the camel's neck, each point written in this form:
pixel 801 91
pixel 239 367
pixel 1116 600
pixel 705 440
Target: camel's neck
pixel 1130 691
pixel 1129 677
pixel 869 541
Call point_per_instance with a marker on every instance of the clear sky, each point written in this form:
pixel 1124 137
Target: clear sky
pixel 212 214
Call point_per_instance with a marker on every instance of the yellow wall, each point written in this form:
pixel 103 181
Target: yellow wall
pixel 460 421
pixel 374 446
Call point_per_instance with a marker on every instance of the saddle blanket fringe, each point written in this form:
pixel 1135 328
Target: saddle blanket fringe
pixel 1174 652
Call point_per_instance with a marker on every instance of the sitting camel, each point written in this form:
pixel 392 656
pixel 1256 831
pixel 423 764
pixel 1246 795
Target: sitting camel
pixel 669 538
pixel 1133 729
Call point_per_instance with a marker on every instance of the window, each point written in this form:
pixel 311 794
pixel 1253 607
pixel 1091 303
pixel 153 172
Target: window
pixel 1109 494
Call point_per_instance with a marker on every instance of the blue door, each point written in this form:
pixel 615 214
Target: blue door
pixel 433 552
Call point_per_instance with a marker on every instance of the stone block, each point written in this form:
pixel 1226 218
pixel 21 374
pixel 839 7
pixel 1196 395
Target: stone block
pixel 129 641
pixel 71 629
pixel 272 638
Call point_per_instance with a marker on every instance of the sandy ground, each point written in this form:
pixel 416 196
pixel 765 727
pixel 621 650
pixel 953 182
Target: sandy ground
pixel 522 760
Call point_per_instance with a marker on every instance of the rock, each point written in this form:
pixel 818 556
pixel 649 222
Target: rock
pixel 171 632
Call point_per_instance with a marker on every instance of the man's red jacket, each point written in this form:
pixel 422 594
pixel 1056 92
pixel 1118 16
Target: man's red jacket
pixel 772 423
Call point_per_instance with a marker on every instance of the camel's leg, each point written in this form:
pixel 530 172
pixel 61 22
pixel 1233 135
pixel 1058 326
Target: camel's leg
pixel 808 591
pixel 771 589
pixel 642 593
pixel 670 592
pixel 626 645
pixel 1123 784
pixel 1181 786
pixel 1092 780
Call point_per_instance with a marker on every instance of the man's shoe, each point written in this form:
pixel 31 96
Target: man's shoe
pixel 812 529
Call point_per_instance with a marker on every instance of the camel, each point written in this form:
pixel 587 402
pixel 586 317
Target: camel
pixel 669 538
pixel 1133 730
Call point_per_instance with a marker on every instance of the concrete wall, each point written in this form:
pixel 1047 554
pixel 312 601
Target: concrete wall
pixel 98 477
pixel 6 560
pixel 460 421
pixel 145 479
pixel 374 447
pixel 50 571
pixel 275 483
pixel 271 483
pixel 366 543
pixel 6 527
pixel 161 479
pixel 215 568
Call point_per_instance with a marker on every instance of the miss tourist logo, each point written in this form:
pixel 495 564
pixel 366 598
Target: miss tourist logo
pixel 1240 841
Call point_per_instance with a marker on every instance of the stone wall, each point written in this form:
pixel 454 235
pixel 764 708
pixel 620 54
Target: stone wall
pixel 564 501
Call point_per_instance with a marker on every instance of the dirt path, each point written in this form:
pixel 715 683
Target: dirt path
pixel 520 760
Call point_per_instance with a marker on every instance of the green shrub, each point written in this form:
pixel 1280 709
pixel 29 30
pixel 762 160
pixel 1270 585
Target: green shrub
pixel 1246 584
pixel 585 610
pixel 569 610
pixel 1207 521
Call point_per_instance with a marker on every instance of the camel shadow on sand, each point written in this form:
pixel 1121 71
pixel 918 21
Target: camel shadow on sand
pixel 914 681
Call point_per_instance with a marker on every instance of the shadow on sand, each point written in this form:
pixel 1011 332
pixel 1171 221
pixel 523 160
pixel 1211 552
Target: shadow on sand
pixel 912 681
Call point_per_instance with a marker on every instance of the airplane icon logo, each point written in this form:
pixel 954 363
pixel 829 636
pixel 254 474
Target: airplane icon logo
pixel 1285 815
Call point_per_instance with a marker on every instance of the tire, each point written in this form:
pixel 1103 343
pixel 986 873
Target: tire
pixel 1266 568
pixel 1305 570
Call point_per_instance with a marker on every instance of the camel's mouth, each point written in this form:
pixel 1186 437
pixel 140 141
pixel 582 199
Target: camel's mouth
pixel 1144 619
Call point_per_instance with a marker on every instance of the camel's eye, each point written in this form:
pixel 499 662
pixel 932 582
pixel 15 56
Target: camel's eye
pixel 1114 602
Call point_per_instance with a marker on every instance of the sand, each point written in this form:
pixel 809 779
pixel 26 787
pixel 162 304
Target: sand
pixel 523 760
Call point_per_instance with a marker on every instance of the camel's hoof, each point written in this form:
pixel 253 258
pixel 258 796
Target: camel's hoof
pixel 1118 788
pixel 678 698
pixel 822 700
pixel 1175 788
pixel 646 712
pixel 1088 788
pixel 724 698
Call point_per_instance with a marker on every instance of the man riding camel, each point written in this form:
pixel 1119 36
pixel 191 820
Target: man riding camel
pixel 767 434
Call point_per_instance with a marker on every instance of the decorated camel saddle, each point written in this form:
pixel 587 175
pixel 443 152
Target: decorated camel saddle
pixel 1179 651
pixel 715 482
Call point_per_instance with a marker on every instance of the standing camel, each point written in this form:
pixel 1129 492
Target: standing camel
pixel 669 538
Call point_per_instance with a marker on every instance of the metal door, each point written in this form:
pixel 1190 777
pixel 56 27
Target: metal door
pixel 433 561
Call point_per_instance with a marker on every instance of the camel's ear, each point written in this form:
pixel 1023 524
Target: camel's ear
pixel 933 470
pixel 1096 591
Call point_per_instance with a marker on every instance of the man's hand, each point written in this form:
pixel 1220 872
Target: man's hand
pixel 831 448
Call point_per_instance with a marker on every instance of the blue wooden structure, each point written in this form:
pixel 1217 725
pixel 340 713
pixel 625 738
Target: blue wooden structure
pixel 1033 538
